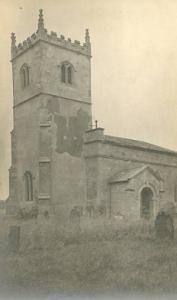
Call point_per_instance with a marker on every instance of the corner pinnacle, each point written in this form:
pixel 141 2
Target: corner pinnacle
pixel 87 37
pixel 41 20
pixel 13 39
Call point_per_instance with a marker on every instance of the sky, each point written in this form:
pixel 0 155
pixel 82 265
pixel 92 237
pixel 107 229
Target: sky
pixel 134 64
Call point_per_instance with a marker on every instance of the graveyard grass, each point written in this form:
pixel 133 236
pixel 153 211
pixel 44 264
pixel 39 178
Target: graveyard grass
pixel 125 262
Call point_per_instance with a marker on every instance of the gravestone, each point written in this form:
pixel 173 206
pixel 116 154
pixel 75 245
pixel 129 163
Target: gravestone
pixel 164 227
pixel 75 218
pixel 14 238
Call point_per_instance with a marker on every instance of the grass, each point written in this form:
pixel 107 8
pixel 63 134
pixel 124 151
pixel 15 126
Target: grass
pixel 126 263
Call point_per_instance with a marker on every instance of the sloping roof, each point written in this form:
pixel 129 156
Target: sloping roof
pixel 125 142
pixel 127 174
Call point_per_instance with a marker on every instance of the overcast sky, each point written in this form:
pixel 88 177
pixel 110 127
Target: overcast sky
pixel 134 64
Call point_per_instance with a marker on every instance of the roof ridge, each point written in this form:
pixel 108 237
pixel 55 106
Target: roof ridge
pixel 138 143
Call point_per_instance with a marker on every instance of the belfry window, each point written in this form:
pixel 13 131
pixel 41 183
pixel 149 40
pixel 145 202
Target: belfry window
pixel 28 186
pixel 67 73
pixel 24 74
pixel 63 73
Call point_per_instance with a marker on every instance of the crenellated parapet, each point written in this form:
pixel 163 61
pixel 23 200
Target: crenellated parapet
pixel 22 47
pixel 52 38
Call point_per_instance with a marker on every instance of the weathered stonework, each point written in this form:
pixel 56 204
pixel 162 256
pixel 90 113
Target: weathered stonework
pixel 50 118
pixel 73 171
pixel 107 158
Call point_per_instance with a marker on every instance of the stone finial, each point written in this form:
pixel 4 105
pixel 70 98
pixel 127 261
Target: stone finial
pixel 87 37
pixel 41 20
pixel 13 43
pixel 41 32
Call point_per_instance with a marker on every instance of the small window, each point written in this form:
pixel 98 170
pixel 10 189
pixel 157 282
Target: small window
pixel 24 72
pixel 28 186
pixel 67 73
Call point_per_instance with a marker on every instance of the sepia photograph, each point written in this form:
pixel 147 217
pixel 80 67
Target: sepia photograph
pixel 88 149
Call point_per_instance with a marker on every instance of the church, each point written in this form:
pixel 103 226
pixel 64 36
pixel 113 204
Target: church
pixel 62 165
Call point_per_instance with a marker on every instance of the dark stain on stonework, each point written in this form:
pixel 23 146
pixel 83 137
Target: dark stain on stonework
pixel 60 122
pixel 53 106
pixel 70 137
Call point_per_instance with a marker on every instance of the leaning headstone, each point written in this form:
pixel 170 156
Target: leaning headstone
pixel 14 238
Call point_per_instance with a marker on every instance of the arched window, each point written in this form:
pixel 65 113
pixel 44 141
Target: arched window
pixel 24 73
pixel 63 73
pixel 67 73
pixel 28 186
pixel 23 77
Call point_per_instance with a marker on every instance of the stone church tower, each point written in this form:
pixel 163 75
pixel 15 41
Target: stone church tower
pixel 52 110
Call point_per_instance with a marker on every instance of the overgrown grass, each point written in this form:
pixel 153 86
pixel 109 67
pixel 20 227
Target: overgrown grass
pixel 121 261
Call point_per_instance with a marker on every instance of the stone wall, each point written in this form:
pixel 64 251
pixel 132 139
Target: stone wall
pixel 26 154
pixel 50 118
pixel 32 59
pixel 62 126
pixel 51 60
pixel 104 157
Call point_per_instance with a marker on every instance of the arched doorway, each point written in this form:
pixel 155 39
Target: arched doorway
pixel 146 205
